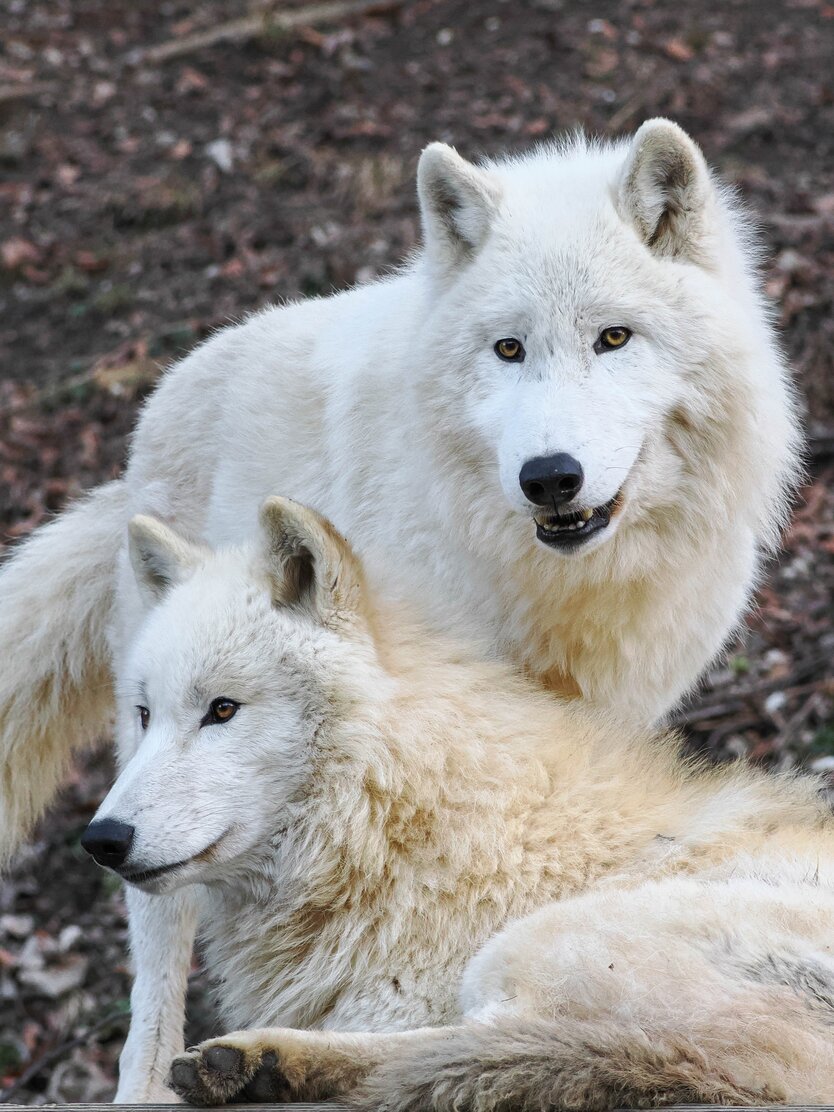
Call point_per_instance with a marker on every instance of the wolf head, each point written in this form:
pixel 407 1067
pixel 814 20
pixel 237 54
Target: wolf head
pixel 242 656
pixel 597 325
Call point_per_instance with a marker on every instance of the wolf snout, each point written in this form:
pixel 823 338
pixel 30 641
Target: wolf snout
pixel 108 842
pixel 551 480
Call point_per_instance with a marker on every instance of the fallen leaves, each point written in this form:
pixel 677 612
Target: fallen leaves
pixel 678 49
pixel 17 251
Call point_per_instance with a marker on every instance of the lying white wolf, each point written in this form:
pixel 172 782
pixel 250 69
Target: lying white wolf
pixel 481 897
pixel 563 431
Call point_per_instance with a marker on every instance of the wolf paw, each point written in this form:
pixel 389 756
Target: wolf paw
pixel 218 1072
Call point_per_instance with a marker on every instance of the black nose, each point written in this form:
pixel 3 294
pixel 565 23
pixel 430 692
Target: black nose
pixel 551 480
pixel 108 842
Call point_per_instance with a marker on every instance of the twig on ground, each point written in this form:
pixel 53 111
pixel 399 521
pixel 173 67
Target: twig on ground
pixel 721 732
pixel 260 23
pixel 738 701
pixel 706 712
pixel 625 113
pixel 797 720
pixel 22 92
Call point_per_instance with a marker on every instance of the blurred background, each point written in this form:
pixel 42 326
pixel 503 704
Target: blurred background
pixel 166 167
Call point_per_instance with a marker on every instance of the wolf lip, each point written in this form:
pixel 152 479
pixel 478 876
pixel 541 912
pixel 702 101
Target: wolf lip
pixel 571 530
pixel 142 876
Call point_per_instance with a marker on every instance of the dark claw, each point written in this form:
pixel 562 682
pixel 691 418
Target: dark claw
pixel 227 1060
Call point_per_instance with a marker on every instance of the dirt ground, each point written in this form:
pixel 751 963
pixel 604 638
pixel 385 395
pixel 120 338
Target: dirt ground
pixel 144 203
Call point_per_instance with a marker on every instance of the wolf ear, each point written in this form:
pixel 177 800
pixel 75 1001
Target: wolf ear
pixel 665 190
pixel 311 562
pixel 160 557
pixel 457 203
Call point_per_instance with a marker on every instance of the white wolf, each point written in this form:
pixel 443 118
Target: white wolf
pixel 481 897
pixel 563 430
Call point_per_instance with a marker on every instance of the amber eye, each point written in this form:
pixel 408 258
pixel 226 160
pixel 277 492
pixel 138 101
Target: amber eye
pixel 510 349
pixel 610 338
pixel 221 710
pixel 144 717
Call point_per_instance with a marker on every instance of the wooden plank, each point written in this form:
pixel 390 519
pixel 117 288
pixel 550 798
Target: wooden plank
pixel 341 1107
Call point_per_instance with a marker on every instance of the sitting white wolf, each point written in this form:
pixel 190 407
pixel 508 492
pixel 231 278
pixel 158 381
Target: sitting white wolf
pixel 563 431
pixel 481 896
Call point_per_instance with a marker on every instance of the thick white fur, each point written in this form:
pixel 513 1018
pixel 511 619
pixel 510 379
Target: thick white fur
pixel 386 408
pixel 478 896
pixel 56 690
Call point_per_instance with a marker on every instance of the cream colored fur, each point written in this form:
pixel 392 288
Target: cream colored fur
pixel 477 895
pixel 56 689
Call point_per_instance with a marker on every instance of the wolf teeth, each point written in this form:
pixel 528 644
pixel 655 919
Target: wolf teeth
pixel 575 521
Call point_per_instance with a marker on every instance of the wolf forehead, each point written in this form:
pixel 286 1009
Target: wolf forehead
pixel 557 186
pixel 561 214
pixel 218 624
pixel 292 596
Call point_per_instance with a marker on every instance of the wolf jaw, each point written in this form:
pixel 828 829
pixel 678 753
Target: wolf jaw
pixel 572 530
pixel 158 878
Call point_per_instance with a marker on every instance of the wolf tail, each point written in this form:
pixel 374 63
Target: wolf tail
pixel 531 1066
pixel 56 599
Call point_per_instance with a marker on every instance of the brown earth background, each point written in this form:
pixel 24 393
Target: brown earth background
pixel 145 201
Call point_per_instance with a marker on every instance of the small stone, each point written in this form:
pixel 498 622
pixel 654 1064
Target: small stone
pixel 68 937
pixel 17 926
pixel 221 153
pixel 103 91
pixel 774 702
pixel 736 746
pixel 790 260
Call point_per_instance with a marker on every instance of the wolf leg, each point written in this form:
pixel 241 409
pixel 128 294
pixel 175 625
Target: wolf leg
pixel 676 991
pixel 685 1020
pixel 276 1064
pixel 162 932
pixel 714 991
